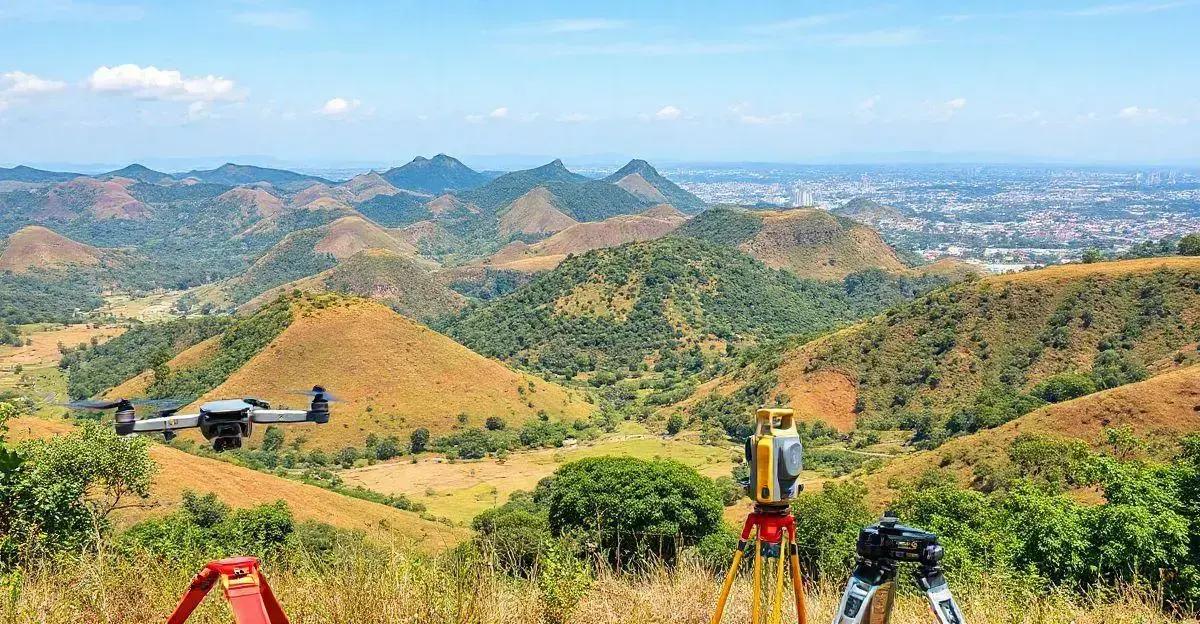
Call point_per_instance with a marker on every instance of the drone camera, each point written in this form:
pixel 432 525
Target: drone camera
pixel 775 455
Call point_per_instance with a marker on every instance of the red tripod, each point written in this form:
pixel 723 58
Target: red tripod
pixel 245 587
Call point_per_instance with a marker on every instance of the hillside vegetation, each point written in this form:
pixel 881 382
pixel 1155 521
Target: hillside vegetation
pixel 982 352
pixel 665 303
pixel 808 242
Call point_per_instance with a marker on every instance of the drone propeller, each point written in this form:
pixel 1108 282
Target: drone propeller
pixel 163 405
pixel 319 393
pixel 94 404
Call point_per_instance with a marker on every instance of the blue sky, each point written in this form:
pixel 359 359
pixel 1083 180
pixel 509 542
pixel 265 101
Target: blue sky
pixel 85 81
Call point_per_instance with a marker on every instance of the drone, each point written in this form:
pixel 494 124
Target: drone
pixel 225 422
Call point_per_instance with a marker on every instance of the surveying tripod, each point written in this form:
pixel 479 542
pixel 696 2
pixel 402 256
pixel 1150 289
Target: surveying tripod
pixel 774 530
pixel 244 586
pixel 871 591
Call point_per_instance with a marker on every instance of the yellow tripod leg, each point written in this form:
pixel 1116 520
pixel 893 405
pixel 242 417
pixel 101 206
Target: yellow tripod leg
pixel 777 597
pixel 756 589
pixel 733 569
pixel 798 586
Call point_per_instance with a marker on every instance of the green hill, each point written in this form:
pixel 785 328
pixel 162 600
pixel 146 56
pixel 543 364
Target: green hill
pixel 437 175
pixel 670 303
pixel 637 174
pixel 580 197
pixel 808 242
pixel 868 211
pixel 140 173
pixel 233 175
pixel 979 353
pixel 21 173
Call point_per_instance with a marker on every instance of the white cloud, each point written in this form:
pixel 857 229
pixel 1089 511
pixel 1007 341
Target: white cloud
pixel 287 19
pixel 198 111
pixel 865 111
pixel 1030 117
pixel 637 48
pixel 668 113
pixel 948 109
pixel 160 84
pixel 339 107
pixel 744 115
pixel 21 83
pixel 499 113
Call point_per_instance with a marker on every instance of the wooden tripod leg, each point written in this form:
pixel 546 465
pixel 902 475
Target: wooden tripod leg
pixel 777 595
pixel 756 588
pixel 733 570
pixel 797 584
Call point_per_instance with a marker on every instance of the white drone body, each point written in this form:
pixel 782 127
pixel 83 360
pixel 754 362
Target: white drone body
pixel 226 422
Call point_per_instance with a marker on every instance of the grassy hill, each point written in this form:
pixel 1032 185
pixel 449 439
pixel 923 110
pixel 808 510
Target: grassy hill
pixel 670 302
pixel 391 278
pixel 643 180
pixel 21 173
pixel 808 242
pixel 1160 411
pixel 979 353
pixel 580 197
pixel 36 247
pixel 243 488
pixel 230 174
pixel 437 175
pixel 305 253
pixel 583 237
pixel 395 374
pixel 868 211
pixel 141 173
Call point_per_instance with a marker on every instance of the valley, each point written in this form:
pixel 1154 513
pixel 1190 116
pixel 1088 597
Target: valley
pixel 486 334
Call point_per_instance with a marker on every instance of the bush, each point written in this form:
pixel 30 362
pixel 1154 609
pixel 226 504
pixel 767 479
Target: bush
pixel 495 423
pixel 418 440
pixel 387 448
pixel 1189 245
pixel 516 534
pixel 827 526
pixel 634 509
pixel 1064 387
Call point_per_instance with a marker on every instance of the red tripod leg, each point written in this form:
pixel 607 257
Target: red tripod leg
pixel 196 592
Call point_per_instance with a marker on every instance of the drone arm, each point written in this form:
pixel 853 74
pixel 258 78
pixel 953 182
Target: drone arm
pixel 279 416
pixel 162 423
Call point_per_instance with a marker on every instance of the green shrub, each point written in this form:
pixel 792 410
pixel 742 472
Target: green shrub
pixel 1064 387
pixel 633 509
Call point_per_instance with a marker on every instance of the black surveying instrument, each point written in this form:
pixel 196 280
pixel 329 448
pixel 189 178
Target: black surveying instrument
pixel 881 549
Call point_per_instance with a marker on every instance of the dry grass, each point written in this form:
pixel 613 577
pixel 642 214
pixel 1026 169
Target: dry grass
pixel 243 488
pixel 460 491
pixel 399 587
pixel 816 244
pixel 394 374
pixel 1161 410
pixel 1072 272
pixel 36 247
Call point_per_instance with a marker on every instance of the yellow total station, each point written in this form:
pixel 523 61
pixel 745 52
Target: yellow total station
pixel 775 456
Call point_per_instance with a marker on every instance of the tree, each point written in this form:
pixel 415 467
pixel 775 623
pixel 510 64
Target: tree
pixel 634 509
pixel 387 448
pixel 827 523
pixel 1064 387
pixel 272 439
pixel 1092 256
pixel 59 493
pixel 347 456
pixel 675 423
pixel 495 423
pixel 418 440
pixel 1189 245
pixel 516 533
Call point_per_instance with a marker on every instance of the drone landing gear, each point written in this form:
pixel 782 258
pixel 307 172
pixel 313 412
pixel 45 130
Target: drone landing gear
pixel 774 531
pixel 244 586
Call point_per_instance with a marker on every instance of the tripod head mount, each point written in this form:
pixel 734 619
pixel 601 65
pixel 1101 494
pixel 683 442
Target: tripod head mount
pixel 889 543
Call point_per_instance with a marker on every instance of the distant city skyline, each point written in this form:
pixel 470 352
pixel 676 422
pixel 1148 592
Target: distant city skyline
pixel 304 84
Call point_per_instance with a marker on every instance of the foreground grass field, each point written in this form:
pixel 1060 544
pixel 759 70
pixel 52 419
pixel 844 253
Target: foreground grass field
pixel 400 587
pixel 460 491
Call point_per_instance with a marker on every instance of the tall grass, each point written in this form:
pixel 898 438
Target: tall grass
pixel 397 586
